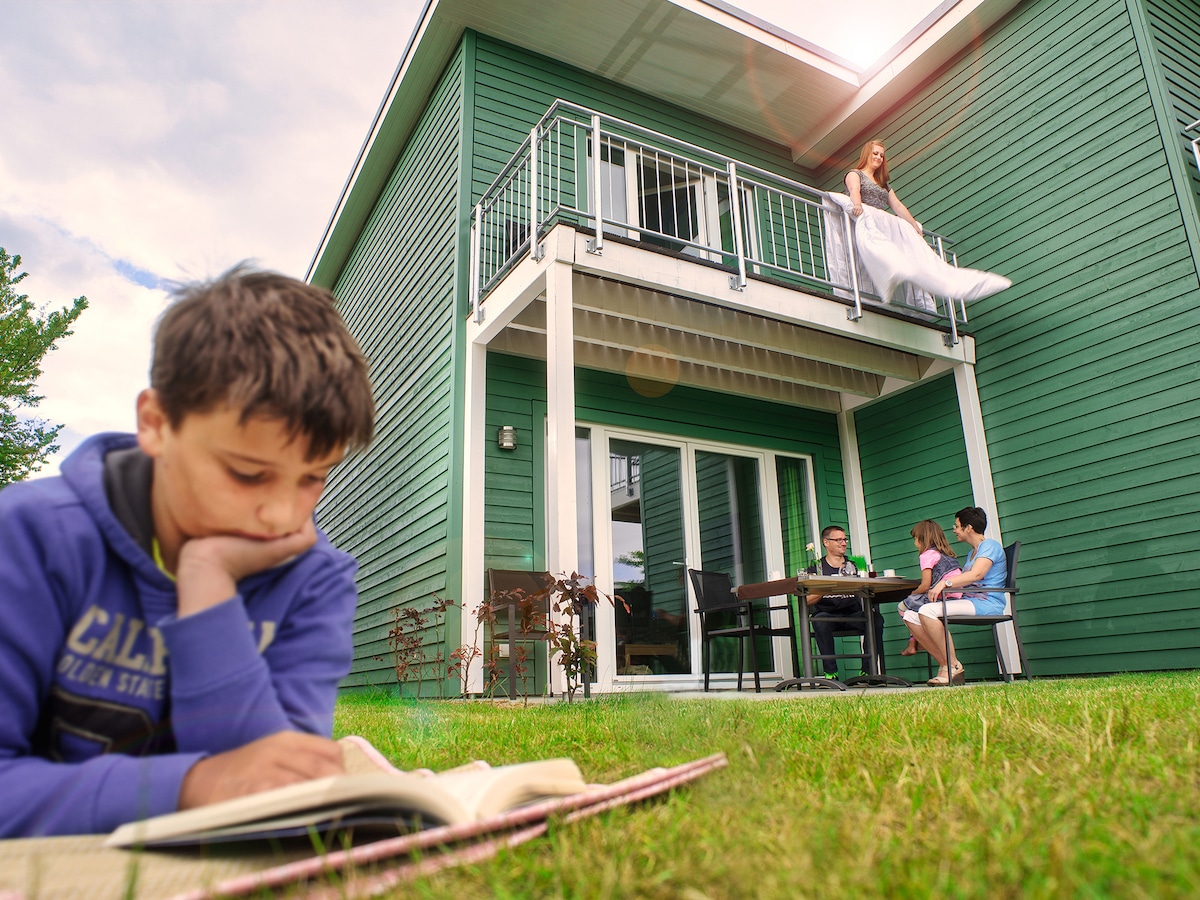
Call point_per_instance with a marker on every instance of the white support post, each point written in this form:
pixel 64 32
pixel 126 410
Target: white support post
pixel 562 538
pixel 860 541
pixel 982 488
pixel 977 453
pixel 475 438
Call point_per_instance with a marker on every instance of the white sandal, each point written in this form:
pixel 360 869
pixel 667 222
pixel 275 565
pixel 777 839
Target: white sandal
pixel 941 679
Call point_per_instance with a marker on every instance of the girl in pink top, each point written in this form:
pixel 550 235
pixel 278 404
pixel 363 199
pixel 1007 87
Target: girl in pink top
pixel 937 562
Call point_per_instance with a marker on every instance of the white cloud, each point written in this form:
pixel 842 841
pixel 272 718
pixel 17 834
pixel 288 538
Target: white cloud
pixel 91 378
pixel 157 141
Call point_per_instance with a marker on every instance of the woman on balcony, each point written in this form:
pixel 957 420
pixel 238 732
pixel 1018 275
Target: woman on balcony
pixel 894 256
pixel 868 183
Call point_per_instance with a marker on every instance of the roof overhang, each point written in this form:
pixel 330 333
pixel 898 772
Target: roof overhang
pixel 701 55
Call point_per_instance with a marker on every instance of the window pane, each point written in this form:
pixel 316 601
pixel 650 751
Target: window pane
pixel 648 559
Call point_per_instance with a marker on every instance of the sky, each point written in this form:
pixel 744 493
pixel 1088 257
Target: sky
pixel 148 143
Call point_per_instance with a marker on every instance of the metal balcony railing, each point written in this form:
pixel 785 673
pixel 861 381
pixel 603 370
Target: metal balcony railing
pixel 668 193
pixel 624 472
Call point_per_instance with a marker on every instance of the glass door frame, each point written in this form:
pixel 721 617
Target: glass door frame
pixel 600 437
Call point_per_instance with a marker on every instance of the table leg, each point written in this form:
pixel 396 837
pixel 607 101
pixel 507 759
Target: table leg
pixel 807 679
pixel 877 676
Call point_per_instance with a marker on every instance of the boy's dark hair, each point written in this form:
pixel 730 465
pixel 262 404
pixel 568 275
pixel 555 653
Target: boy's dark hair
pixel 974 517
pixel 271 345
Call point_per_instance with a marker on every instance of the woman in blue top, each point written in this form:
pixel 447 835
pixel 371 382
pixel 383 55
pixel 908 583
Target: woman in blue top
pixel 985 566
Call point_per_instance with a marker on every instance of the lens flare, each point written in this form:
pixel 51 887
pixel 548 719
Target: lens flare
pixel 652 370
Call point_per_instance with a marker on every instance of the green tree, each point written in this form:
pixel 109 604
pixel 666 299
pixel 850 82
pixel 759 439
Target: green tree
pixel 27 334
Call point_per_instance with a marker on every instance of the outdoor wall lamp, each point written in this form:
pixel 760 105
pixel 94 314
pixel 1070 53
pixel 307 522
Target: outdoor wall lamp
pixel 506 437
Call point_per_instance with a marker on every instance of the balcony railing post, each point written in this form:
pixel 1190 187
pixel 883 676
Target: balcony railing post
pixel 476 265
pixel 596 245
pixel 535 247
pixel 952 338
pixel 737 282
pixel 855 313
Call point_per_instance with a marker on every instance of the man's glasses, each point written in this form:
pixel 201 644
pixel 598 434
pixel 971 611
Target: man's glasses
pixel 838 540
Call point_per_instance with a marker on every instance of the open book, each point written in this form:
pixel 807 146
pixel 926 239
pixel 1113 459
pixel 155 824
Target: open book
pixel 64 868
pixel 372 793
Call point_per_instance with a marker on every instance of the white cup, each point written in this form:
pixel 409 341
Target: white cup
pixel 889 573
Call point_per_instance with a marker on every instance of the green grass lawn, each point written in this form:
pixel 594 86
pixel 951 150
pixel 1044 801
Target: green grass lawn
pixel 1065 788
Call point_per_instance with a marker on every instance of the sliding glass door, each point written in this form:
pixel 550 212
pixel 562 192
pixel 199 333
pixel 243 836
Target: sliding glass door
pixel 651 507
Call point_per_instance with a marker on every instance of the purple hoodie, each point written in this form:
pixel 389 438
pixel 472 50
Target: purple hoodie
pixel 106 699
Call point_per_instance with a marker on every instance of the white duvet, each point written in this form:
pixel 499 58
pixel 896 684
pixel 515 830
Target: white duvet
pixel 895 262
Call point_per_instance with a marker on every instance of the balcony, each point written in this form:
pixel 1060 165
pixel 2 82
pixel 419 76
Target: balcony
pixel 659 194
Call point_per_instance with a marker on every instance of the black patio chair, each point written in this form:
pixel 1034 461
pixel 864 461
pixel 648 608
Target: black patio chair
pixel 1011 553
pixel 845 625
pixel 509 590
pixel 723 615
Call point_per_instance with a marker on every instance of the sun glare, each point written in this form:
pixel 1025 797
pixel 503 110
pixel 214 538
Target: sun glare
pixel 860 37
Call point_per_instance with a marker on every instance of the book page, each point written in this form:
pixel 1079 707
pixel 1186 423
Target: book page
pixel 319 800
pixel 460 795
pixel 483 793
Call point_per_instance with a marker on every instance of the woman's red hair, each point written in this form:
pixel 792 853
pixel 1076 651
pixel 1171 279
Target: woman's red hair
pixel 881 174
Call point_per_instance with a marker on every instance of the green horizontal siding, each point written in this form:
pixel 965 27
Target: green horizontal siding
pixel 390 506
pixel 914 466
pixel 515 392
pixel 516 389
pixel 1041 152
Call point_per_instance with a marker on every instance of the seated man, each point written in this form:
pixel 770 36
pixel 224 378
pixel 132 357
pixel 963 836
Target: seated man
pixel 835 542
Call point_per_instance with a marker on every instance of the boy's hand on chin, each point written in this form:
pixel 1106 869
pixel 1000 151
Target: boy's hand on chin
pixel 210 567
pixel 279 759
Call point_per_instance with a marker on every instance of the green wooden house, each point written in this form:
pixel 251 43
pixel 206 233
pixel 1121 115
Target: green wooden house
pixel 597 228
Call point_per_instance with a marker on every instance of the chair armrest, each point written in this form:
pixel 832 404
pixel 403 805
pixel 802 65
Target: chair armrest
pixel 742 605
pixel 759 600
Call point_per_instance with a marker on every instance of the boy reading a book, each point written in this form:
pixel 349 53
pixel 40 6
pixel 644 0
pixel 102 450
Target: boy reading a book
pixel 174 626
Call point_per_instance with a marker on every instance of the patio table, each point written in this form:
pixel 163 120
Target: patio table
pixel 810 588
